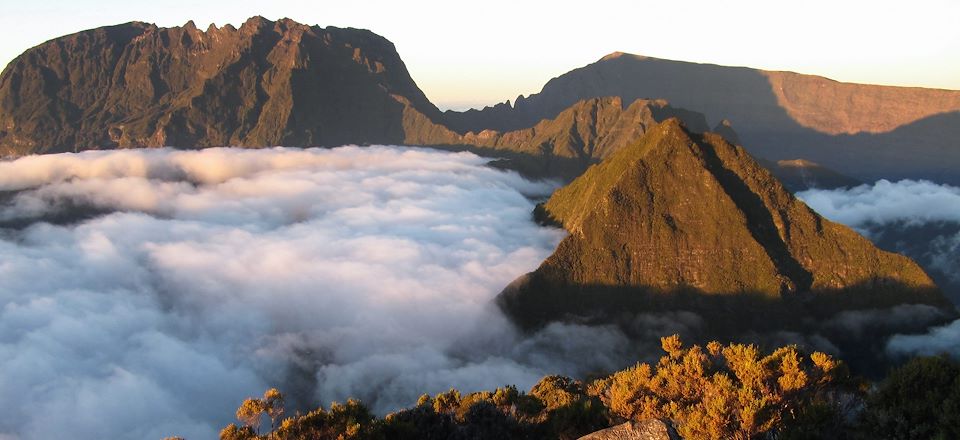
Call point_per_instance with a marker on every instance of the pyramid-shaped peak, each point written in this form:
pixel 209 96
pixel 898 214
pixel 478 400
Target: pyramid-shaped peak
pixel 669 142
pixel 683 212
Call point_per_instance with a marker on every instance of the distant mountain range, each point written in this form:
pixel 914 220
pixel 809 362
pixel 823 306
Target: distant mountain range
pixel 283 83
pixel 864 131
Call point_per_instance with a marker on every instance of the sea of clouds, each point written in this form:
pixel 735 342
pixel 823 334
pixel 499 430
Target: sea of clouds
pixel 918 218
pixel 146 293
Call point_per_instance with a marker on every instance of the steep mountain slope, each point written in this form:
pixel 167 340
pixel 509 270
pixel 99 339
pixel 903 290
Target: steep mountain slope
pixel 683 221
pixel 588 129
pixel 865 131
pixel 578 137
pixel 266 83
pixel 592 129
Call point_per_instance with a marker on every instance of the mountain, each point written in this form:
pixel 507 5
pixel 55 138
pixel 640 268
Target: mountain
pixel 864 131
pixel 266 83
pixel 681 221
pixel 592 129
pixel 801 174
pixel 576 138
pixel 278 83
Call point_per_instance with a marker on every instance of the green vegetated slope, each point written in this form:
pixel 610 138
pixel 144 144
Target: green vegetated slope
pixel 681 220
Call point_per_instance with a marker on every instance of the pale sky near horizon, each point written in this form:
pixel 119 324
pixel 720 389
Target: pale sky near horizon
pixel 474 54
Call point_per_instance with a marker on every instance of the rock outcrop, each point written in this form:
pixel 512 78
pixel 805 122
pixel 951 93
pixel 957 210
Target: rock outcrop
pixel 644 430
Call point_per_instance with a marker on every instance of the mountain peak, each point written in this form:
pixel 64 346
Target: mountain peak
pixel 679 212
pixel 612 55
pixel 626 55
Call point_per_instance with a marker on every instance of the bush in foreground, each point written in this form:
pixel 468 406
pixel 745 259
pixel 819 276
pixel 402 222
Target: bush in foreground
pixel 713 392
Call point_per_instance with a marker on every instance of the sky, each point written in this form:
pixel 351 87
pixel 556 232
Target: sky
pixel 468 54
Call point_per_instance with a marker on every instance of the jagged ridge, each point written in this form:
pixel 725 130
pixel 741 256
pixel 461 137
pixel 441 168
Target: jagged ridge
pixel 566 145
pixel 266 83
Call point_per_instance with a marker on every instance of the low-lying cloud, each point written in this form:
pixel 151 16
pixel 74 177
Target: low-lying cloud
pixel 146 293
pixel 911 201
pixel 920 219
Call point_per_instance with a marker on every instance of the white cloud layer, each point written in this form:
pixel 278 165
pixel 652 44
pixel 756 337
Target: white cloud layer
pixel 886 207
pixel 945 339
pixel 188 280
pixel 909 201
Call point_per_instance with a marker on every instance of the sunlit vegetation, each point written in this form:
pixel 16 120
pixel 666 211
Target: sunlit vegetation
pixel 716 391
pixel 556 407
pixel 733 391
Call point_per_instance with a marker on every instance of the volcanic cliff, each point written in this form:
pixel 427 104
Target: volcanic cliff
pixel 266 83
pixel 283 83
pixel 865 131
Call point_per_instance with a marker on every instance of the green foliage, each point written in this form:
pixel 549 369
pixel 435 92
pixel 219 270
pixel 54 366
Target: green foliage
pixel 920 400
pixel 557 407
pixel 446 402
pixel 351 420
pixel 556 391
pixel 425 400
pixel 506 397
pixel 251 411
pixel 730 392
pixel 568 411
pixel 234 432
pixel 717 391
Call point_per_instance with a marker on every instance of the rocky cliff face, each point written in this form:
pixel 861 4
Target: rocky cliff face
pixel 689 221
pixel 266 83
pixel 276 83
pixel 861 130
